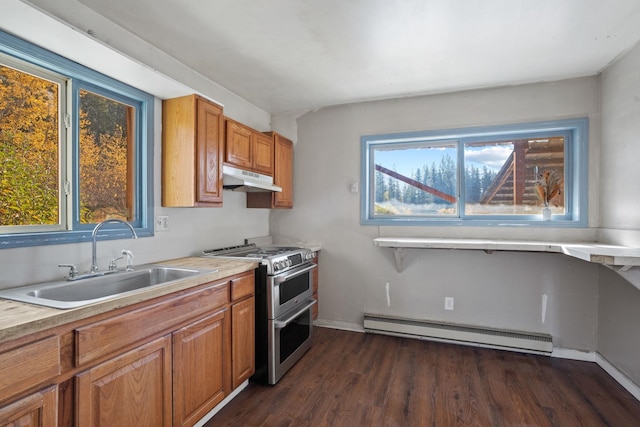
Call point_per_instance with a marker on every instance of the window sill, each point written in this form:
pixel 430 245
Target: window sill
pixel 624 260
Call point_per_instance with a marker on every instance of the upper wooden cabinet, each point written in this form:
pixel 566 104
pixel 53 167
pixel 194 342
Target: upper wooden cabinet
pixel 282 177
pixel 192 150
pixel 247 148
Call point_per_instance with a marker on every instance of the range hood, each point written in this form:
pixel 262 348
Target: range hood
pixel 241 180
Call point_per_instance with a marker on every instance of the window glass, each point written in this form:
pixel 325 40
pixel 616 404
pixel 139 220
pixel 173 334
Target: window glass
pixel 29 149
pixel 415 179
pixel 499 175
pixel 107 150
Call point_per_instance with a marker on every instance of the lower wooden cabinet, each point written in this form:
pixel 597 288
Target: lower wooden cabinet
pixel 201 376
pixel 36 410
pixel 168 361
pixel 133 389
pixel 243 340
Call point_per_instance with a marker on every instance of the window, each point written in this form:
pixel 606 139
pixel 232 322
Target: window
pixel 503 175
pixel 76 148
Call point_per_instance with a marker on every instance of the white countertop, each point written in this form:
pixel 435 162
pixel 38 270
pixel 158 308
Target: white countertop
pixel 610 255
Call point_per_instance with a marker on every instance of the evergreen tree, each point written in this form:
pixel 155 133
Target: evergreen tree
pixel 448 176
pixel 381 188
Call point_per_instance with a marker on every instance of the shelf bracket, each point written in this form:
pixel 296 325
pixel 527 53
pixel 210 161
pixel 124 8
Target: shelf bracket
pixel 631 273
pixel 398 253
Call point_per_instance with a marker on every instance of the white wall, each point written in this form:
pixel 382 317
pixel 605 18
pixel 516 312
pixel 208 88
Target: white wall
pixel 139 64
pixel 502 290
pixel 619 304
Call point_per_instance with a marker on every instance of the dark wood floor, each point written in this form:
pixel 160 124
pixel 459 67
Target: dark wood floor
pixel 355 379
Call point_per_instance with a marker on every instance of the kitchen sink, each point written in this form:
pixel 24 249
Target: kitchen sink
pixel 65 294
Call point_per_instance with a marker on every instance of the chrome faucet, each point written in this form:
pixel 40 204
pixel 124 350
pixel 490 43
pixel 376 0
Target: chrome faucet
pixel 94 237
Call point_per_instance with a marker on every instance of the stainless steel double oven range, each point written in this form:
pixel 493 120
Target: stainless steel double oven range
pixel 284 297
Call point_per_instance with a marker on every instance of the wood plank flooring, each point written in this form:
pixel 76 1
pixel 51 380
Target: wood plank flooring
pixel 355 379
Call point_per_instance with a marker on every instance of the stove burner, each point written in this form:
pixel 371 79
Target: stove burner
pixel 277 259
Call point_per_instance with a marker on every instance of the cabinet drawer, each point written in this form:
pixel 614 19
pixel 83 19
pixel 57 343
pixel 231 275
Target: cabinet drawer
pixel 28 366
pixel 110 335
pixel 242 287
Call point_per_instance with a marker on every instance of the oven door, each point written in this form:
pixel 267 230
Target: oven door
pixel 286 290
pixel 290 337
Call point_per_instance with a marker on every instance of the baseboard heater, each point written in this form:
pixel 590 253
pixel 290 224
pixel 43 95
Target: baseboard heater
pixel 460 334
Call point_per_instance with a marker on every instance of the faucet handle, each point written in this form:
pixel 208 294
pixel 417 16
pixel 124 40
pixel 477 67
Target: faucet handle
pixel 73 271
pixel 113 266
pixel 129 256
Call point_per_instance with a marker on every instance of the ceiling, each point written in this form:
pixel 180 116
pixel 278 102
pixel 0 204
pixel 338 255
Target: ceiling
pixel 289 55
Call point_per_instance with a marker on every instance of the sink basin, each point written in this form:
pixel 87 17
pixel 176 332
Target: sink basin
pixel 73 294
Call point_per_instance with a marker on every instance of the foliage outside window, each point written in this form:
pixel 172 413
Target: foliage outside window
pixel 480 176
pixel 75 149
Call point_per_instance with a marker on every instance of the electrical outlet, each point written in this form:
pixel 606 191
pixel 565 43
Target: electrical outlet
pixel 162 223
pixel 448 303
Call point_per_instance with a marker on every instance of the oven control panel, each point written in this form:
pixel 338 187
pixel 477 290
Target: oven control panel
pixel 287 262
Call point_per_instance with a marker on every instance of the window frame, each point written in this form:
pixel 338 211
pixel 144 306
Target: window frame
pixel 81 77
pixel 575 131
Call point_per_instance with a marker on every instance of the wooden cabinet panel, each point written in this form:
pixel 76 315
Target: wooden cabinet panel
pixel 133 389
pixel 282 177
pixel 202 373
pixel 263 154
pixel 192 147
pixel 242 287
pixel 239 145
pixel 36 410
pixel 116 333
pixel 209 146
pixel 28 366
pixel 243 340
pixel 247 148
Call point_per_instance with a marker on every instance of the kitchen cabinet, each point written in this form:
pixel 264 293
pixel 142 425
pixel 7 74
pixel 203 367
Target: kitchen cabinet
pixel 162 362
pixel 192 151
pixel 243 308
pixel 36 410
pixel 247 148
pixel 282 177
pixel 23 368
pixel 243 359
pixel 133 389
pixel 201 377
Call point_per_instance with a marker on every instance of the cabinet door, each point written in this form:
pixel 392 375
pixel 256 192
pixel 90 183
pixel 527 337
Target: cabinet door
pixel 202 375
pixel 38 409
pixel 263 154
pixel 239 147
pixel 209 146
pixel 283 172
pixel 243 340
pixel 133 389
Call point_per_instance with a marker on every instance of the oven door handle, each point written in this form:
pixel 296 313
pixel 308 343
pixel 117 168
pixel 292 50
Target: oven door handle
pixel 295 273
pixel 279 324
